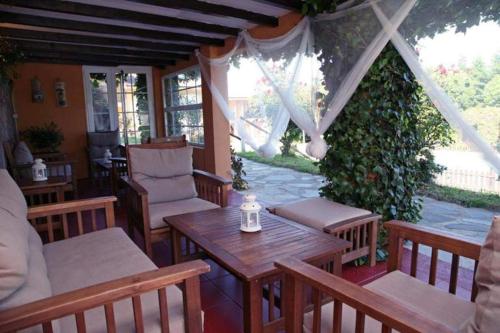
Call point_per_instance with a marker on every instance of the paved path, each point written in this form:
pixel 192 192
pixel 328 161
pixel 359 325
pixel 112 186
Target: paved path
pixel 274 185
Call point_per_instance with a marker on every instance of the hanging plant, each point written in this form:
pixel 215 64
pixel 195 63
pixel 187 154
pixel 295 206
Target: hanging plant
pixel 46 138
pixel 9 57
pixel 239 183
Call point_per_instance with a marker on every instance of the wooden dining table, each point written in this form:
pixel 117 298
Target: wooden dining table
pixel 251 256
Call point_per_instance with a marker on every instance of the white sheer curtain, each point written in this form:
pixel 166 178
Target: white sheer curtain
pixel 295 69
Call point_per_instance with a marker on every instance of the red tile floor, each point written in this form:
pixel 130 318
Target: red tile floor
pixel 221 293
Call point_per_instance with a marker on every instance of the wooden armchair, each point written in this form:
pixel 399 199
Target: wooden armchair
pixel 383 310
pixel 81 304
pixel 212 192
pixel 58 165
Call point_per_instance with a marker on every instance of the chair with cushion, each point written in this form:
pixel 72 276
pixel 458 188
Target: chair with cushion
pixel 399 301
pixel 167 139
pixel 20 160
pixel 93 280
pixel 162 183
pixel 97 143
pixel 358 226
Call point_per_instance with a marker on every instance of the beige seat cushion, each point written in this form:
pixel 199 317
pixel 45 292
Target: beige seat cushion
pixel 318 212
pixel 160 210
pixel 36 285
pixel 14 253
pixel 429 301
pixel 487 314
pixel 11 197
pixel 161 163
pixel 102 256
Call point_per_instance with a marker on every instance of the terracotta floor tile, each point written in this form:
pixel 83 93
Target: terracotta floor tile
pixel 224 318
pixel 231 287
pixel 211 295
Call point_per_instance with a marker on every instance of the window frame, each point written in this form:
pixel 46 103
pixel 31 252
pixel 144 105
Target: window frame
pixel 112 95
pixel 190 107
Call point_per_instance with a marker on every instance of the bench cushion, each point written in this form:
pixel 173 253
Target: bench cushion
pixel 11 198
pixel 103 256
pixel 160 210
pixel 429 301
pixel 487 312
pixel 14 253
pixel 318 212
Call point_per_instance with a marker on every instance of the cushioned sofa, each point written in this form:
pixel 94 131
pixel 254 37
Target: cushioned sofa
pixel 99 280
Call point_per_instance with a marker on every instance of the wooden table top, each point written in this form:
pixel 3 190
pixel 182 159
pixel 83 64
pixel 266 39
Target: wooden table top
pixel 29 184
pixel 252 255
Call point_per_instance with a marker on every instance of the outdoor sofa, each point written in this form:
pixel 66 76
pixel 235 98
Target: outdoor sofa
pixel 98 281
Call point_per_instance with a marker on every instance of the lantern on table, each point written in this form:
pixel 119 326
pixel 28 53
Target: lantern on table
pixel 39 170
pixel 250 214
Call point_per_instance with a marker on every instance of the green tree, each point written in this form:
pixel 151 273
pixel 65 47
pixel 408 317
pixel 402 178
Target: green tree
pixel 492 92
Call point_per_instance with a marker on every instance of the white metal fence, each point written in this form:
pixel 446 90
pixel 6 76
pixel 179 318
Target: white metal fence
pixel 474 180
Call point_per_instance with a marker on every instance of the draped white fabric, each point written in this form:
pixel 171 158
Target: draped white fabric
pixel 294 69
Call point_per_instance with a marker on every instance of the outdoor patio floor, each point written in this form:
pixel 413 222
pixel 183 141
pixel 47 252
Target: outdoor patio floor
pixel 221 292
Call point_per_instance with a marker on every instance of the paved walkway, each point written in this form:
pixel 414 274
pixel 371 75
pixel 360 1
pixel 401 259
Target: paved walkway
pixel 274 185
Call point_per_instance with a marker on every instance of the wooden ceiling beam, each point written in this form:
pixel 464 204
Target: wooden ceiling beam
pixel 84 39
pixel 92 62
pixel 91 58
pixel 119 14
pixel 49 22
pixel 213 9
pixel 95 50
pixel 287 4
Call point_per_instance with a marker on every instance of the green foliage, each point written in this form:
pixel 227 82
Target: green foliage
pixel 380 145
pixel 9 57
pixel 297 163
pixel 463 197
pixel 291 135
pixel 44 138
pixel 492 91
pixel 313 7
pixel 237 166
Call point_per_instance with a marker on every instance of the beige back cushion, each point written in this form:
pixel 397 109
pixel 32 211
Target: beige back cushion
pixel 11 198
pixel 486 317
pixel 14 253
pixel 22 154
pixel 167 174
pixel 161 163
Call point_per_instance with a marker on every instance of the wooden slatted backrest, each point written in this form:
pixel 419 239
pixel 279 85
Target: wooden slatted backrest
pixel 402 231
pixel 164 145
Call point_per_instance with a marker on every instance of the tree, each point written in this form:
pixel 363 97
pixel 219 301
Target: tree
pixel 291 135
pixel 492 92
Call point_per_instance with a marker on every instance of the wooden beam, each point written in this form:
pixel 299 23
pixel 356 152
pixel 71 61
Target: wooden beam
pixel 96 50
pixel 83 39
pixel 55 55
pixel 286 4
pixel 119 14
pixel 215 9
pixel 49 22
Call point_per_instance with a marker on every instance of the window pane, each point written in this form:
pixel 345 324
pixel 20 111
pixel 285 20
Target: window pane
pixel 100 102
pixel 102 122
pixel 188 122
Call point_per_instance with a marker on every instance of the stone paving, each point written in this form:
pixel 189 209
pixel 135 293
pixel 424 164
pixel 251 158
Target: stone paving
pixel 274 185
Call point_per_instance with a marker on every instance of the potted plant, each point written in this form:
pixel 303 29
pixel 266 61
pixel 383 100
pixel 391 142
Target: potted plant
pixel 46 138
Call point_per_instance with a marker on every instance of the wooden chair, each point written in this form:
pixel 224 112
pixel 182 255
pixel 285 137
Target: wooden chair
pixel 211 188
pixel 166 139
pixel 57 165
pixel 105 296
pixel 364 302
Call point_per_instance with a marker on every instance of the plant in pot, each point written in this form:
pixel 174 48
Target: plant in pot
pixel 46 138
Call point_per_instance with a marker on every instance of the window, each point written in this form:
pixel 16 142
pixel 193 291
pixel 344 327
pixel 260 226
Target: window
pixel 120 98
pixel 183 105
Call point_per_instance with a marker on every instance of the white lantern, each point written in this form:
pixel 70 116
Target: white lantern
pixel 250 214
pixel 107 156
pixel 39 170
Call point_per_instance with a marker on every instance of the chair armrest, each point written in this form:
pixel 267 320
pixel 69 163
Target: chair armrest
pixel 390 313
pixel 211 176
pixel 76 302
pixel 134 186
pixel 47 213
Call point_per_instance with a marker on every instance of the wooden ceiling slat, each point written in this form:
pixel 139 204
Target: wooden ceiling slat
pixel 288 4
pixel 91 62
pixel 56 56
pixel 119 14
pixel 210 8
pixel 95 50
pixel 39 21
pixel 84 39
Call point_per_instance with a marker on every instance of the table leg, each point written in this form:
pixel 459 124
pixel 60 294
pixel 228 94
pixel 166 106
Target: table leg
pixel 252 306
pixel 337 264
pixel 175 238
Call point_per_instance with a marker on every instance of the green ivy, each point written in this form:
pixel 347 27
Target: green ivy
pixel 9 57
pixel 237 167
pixel 291 135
